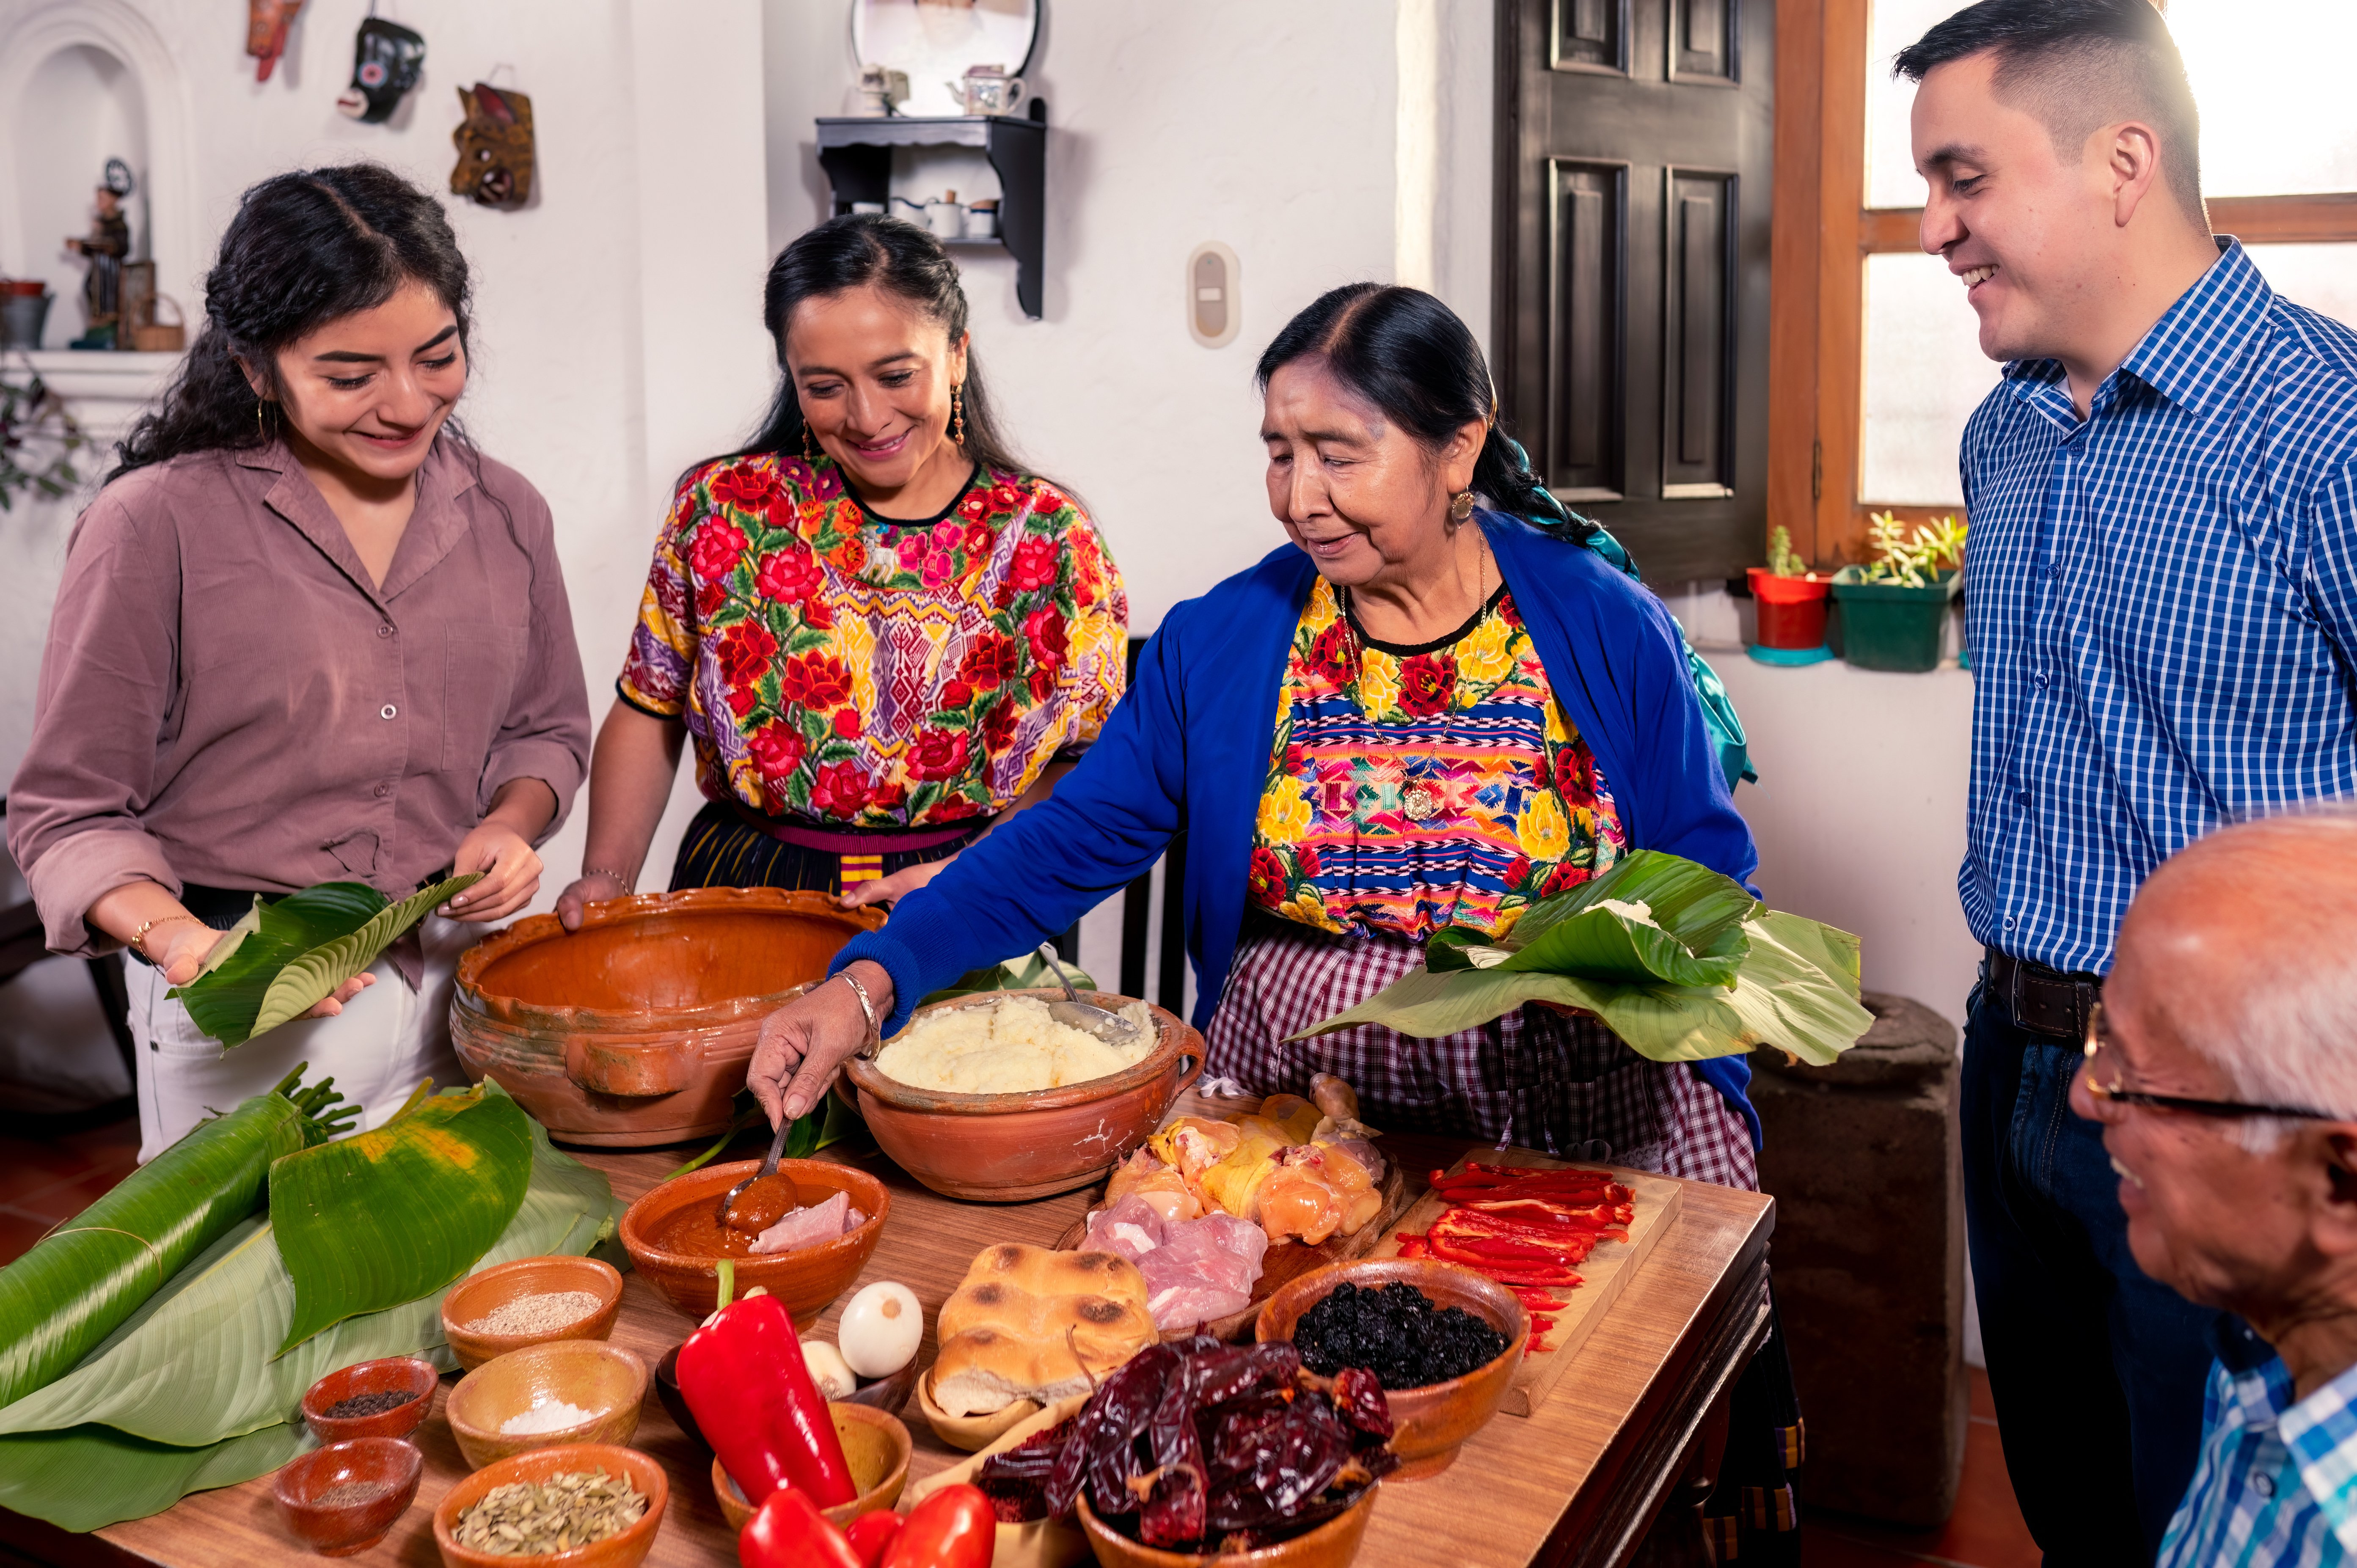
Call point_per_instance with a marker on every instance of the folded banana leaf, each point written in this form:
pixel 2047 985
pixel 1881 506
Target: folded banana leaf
pixel 85 1277
pixel 386 1215
pixel 1679 962
pixel 91 1477
pixel 199 1362
pixel 287 954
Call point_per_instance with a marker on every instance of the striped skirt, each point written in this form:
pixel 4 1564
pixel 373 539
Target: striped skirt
pixel 1539 1079
pixel 721 850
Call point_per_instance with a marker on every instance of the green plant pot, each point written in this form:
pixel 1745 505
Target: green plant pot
pixel 1884 626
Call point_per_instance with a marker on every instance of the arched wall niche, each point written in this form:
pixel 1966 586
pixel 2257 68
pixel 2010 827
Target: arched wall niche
pixel 81 81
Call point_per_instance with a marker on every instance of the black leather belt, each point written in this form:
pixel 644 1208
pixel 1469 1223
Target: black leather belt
pixel 2041 1000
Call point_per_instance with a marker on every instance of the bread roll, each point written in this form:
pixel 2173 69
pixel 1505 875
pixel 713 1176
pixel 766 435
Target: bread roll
pixel 1036 1271
pixel 1033 1324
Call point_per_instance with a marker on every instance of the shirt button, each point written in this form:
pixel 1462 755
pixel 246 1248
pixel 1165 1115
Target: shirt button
pixel 2264 1484
pixel 385 631
pixel 2042 682
pixel 387 711
pixel 2008 922
pixel 382 791
pixel 2020 797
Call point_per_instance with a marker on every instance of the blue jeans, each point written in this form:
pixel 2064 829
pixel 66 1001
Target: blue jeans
pixel 2096 1369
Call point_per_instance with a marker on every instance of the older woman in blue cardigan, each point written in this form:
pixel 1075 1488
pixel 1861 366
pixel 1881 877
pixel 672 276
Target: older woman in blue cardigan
pixel 1419 713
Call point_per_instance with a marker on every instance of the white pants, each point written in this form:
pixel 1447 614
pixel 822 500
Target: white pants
pixel 377 1048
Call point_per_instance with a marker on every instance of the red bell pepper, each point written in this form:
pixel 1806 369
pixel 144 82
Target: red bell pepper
pixel 871 1533
pixel 954 1528
pixel 744 1377
pixel 786 1531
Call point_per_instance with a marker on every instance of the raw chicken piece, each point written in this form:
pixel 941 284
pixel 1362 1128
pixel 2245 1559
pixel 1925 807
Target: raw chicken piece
pixel 1360 1152
pixel 1234 1183
pixel 805 1227
pixel 1205 1271
pixel 1292 1114
pixel 1298 1197
pixel 1132 1228
pixel 1143 1175
pixel 1193 1145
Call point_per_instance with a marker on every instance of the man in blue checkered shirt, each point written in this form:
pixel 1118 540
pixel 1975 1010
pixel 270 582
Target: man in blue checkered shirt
pixel 2224 1079
pixel 2161 603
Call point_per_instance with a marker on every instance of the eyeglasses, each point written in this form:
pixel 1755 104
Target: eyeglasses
pixel 2106 1076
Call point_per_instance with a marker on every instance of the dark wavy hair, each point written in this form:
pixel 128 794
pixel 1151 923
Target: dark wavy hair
pixel 304 250
pixel 853 252
pixel 1412 358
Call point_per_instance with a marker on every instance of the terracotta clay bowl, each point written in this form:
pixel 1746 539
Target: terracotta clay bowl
pixel 607 1381
pixel 481 1293
pixel 1330 1545
pixel 807 1279
pixel 1006 1148
pixel 876 1446
pixel 886 1394
pixel 404 1374
pixel 971 1432
pixel 626 1550
pixel 339 1529
pixel 637 1028
pixel 1431 1423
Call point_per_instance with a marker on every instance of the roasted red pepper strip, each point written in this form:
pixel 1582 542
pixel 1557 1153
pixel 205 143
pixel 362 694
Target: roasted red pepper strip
pixel 954 1528
pixel 744 1377
pixel 786 1531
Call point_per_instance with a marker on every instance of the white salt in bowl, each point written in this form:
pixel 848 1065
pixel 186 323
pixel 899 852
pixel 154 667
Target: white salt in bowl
pixel 526 1387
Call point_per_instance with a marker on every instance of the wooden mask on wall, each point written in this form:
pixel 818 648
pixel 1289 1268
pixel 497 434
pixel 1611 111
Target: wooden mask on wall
pixel 495 149
pixel 386 60
pixel 266 22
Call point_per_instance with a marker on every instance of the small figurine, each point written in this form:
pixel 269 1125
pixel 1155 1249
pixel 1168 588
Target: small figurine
pixel 495 149
pixel 107 244
pixel 266 22
pixel 386 60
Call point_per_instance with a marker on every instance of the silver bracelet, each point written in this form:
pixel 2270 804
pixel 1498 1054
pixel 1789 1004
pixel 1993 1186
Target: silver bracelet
pixel 611 876
pixel 867 1004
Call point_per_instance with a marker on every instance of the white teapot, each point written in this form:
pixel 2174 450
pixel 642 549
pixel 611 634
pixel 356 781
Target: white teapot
pixel 988 90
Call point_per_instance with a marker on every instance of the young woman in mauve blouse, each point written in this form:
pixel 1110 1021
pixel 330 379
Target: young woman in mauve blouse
pixel 882 633
pixel 306 633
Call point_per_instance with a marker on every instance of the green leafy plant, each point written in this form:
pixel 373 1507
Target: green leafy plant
pixel 1676 959
pixel 831 1123
pixel 38 440
pixel 1916 560
pixel 1783 560
pixel 287 954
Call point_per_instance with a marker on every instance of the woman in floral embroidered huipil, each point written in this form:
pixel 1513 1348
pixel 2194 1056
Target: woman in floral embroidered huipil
pixel 882 634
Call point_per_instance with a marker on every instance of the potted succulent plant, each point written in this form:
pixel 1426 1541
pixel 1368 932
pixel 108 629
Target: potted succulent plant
pixel 1894 610
pixel 1792 601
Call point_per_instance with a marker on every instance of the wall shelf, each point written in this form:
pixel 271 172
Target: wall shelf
pixel 856 153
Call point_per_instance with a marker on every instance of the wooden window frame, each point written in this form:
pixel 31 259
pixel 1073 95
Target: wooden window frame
pixel 1816 343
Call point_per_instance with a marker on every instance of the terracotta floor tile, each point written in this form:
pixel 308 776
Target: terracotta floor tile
pixel 18 1234
pixel 64 1200
pixel 27 1166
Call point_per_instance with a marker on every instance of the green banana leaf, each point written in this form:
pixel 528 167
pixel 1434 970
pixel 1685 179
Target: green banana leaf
pixel 1696 935
pixel 385 1217
pixel 91 1476
pixel 810 1132
pixel 198 1363
pixel 81 1280
pixel 287 954
pixel 1027 972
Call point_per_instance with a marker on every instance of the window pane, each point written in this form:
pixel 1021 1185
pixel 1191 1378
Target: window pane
pixel 2321 277
pixel 1924 375
pixel 2271 78
pixel 1890 177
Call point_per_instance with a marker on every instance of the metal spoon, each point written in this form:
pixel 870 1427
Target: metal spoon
pixel 768 1171
pixel 1111 1027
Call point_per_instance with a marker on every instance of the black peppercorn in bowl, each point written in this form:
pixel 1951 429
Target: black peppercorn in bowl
pixel 1429 1423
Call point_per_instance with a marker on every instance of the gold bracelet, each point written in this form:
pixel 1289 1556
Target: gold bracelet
pixel 139 936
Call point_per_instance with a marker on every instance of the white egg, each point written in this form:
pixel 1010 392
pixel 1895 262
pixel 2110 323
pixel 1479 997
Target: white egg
pixel 881 1329
pixel 829 1371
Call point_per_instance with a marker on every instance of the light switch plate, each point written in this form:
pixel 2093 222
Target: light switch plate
pixel 1214 304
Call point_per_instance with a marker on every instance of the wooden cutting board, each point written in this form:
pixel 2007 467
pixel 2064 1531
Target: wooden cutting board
pixel 1285 1261
pixel 1603 1277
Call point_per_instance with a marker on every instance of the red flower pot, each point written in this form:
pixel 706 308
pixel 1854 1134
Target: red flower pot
pixel 1791 609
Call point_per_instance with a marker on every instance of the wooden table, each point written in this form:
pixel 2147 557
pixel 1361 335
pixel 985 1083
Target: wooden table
pixel 1576 1483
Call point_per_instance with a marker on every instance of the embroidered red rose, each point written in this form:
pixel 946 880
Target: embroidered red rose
pixel 938 754
pixel 814 680
pixel 976 505
pixel 748 487
pixel 1571 781
pixel 978 539
pixel 1426 683
pixel 998 727
pixel 718 547
pixel 1293 761
pixel 1044 631
pixel 1306 858
pixel 848 723
pixel 887 797
pixel 957 695
pixel 743 700
pixel 990 661
pixel 709 599
pixel 745 650
pixel 818 615
pixel 1041 684
pixel 1046 503
pixel 1004 497
pixel 1267 878
pixel 1508 612
pixel 1036 565
pixel 788 576
pixel 1564 875
pixel 1329 655
pixel 952 808
pixel 777 746
pixel 1518 870
pixel 838 789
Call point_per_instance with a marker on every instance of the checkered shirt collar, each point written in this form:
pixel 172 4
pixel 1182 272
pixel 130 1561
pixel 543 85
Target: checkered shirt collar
pixel 2193 352
pixel 2319 1432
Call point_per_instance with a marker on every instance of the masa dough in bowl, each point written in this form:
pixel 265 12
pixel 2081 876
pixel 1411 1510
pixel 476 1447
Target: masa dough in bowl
pixel 1011 1047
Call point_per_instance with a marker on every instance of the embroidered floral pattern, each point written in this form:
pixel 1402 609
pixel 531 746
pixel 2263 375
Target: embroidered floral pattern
pixel 1522 810
pixel 837 667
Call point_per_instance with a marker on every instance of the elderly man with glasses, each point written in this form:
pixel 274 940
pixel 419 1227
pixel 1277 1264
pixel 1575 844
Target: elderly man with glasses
pixel 2221 1064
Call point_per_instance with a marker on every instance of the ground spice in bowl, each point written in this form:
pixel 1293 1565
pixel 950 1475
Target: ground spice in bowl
pixel 370 1404
pixel 1396 1333
pixel 350 1494
pixel 536 1314
pixel 526 1518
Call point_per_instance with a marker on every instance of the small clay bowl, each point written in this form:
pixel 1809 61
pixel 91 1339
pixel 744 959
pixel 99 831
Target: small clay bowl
pixel 1431 1423
pixel 588 1374
pixel 404 1374
pixel 626 1550
pixel 1008 1148
pixel 479 1295
pixel 340 1530
pixel 1330 1545
pixel 807 1279
pixel 886 1394
pixel 971 1432
pixel 874 1446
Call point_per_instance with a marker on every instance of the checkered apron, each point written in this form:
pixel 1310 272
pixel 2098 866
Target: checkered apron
pixel 1566 1086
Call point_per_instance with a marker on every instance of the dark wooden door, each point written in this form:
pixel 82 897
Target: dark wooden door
pixel 1634 152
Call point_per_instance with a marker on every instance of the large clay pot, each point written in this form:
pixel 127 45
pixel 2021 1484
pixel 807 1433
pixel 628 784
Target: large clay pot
pixel 637 1028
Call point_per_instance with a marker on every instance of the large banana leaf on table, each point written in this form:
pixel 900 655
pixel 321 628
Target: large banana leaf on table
pixel 89 1273
pixel 191 1392
pixel 1678 961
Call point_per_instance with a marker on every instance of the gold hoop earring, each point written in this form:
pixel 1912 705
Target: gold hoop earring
pixel 261 419
pixel 808 455
pixel 1461 507
pixel 957 414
